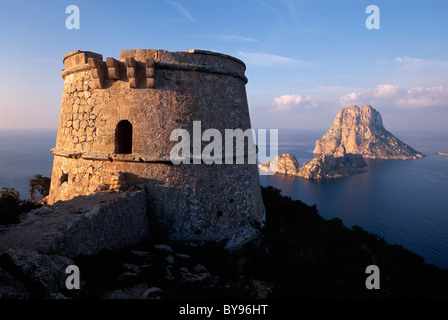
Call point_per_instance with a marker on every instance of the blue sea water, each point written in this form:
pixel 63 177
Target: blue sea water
pixel 24 153
pixel 403 201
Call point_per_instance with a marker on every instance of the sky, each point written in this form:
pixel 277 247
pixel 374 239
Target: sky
pixel 305 59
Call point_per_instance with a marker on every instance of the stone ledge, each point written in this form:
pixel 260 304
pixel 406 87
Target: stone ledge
pixel 84 225
pixel 110 156
pixel 135 157
pixel 77 68
pixel 78 61
pixel 198 68
pixel 218 54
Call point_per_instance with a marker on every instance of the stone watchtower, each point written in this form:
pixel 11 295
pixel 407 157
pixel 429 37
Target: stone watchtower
pixel 114 132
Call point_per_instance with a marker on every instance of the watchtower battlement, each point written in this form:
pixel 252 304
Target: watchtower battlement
pixel 137 67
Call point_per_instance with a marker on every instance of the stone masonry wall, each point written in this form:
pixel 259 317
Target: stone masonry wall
pixel 157 91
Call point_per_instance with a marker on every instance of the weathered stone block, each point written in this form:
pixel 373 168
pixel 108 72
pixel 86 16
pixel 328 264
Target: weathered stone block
pixel 45 272
pixel 84 225
pixel 83 124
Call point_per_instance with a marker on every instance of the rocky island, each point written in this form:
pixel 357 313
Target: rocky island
pixel 286 164
pixel 322 167
pixel 356 133
pixel 361 131
pixel 329 166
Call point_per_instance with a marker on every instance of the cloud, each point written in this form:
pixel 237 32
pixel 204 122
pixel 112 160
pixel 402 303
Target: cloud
pixel 407 60
pixel 181 10
pixel 230 38
pixel 395 96
pixel 417 62
pixel 288 101
pixel 269 60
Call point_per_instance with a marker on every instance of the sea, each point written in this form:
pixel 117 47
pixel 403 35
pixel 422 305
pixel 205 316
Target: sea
pixel 403 201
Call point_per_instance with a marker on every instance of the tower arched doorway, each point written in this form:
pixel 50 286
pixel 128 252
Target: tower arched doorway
pixel 123 137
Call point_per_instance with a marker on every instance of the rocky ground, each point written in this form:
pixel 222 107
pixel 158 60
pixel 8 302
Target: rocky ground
pixel 145 271
pixel 162 271
pixel 298 255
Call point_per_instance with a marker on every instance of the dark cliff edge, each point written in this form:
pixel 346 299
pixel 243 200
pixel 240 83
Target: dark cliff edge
pixel 298 255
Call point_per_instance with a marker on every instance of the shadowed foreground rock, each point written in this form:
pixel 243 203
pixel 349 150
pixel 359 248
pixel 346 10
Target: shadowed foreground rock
pixel 299 255
pixel 37 251
pixel 43 274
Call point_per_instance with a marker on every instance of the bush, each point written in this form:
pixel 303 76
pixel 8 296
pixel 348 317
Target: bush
pixel 11 206
pixel 39 185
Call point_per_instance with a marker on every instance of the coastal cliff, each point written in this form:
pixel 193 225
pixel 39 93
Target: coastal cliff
pixel 361 131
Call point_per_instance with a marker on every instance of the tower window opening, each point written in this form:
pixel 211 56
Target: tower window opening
pixel 123 137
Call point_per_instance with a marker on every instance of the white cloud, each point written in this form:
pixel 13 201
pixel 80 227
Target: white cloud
pixel 386 90
pixel 263 59
pixel 181 10
pixel 288 101
pixel 408 60
pixel 395 96
pixel 415 63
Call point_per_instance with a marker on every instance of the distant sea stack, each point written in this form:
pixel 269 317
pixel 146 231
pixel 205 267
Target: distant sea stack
pixel 286 164
pixel 322 167
pixel 361 131
pixel 330 166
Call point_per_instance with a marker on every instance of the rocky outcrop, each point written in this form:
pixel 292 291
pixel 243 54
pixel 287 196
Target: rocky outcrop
pixel 10 287
pixel 174 272
pixel 322 167
pixel 35 253
pixel 44 275
pixel 144 271
pixel 329 166
pixel 286 164
pixel 361 131
pixel 84 225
